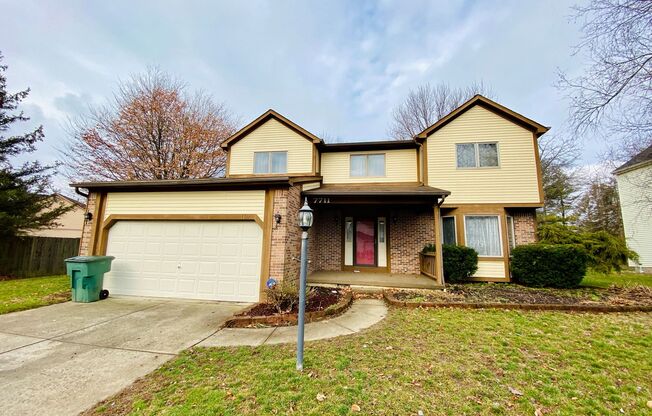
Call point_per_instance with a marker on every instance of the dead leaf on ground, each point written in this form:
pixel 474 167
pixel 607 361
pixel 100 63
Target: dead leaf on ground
pixel 538 412
pixel 321 397
pixel 514 391
pixel 355 408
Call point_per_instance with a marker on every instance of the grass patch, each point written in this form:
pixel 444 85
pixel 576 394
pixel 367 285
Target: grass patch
pixel 32 292
pixel 439 361
pixel 595 279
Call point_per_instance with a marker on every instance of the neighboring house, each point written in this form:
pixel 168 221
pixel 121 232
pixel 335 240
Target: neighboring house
pixel 69 225
pixel 635 191
pixel 472 178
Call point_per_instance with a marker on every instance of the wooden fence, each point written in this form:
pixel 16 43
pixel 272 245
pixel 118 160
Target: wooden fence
pixel 36 256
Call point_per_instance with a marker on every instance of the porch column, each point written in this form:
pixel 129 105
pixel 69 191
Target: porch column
pixel 439 271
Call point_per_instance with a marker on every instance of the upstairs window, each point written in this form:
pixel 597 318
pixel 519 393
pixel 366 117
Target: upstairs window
pixel 367 165
pixel 270 162
pixel 477 155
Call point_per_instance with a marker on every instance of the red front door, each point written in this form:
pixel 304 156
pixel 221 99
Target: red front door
pixel 365 243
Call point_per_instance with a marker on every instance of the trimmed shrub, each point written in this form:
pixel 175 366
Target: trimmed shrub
pixel 460 263
pixel 606 252
pixel 548 265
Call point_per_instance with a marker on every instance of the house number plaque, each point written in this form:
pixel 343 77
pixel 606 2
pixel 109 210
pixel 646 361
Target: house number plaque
pixel 321 200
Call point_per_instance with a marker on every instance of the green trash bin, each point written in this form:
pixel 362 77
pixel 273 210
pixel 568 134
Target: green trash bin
pixel 87 277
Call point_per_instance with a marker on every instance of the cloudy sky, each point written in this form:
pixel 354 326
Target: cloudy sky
pixel 335 67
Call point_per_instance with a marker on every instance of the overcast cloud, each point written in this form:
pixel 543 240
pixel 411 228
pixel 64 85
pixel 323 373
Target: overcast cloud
pixel 336 68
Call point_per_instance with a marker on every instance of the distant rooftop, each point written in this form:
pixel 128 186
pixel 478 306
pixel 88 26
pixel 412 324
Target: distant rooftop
pixel 644 156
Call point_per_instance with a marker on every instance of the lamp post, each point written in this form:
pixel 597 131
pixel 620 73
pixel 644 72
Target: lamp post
pixel 305 222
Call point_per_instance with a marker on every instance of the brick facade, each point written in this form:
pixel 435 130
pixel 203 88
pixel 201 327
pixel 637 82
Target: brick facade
pixel 409 230
pixel 85 242
pixel 286 236
pixel 525 225
pixel 325 244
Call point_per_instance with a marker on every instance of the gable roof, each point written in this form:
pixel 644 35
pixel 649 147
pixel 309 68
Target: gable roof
pixel 643 157
pixel 69 200
pixel 269 114
pixel 493 106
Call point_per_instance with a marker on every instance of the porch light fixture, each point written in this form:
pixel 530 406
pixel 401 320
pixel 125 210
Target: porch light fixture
pixel 305 216
pixel 305 222
pixel 88 216
pixel 277 218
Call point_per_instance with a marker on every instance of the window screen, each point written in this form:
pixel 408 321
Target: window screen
pixel 483 235
pixel 466 155
pixel 270 162
pixel 488 154
pixel 368 165
pixel 448 230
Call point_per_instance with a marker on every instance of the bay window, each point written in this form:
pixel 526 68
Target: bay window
pixel 482 233
pixel 448 232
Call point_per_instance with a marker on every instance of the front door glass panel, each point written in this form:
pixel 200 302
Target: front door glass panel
pixel 365 243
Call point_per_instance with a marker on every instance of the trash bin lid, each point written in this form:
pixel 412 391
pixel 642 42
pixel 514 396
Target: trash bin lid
pixel 87 259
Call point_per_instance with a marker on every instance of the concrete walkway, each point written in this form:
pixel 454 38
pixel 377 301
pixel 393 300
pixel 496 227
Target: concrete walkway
pixel 362 314
pixel 64 358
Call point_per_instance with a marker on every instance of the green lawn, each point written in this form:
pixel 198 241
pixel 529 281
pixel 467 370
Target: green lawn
pixel 28 293
pixel 621 279
pixel 439 361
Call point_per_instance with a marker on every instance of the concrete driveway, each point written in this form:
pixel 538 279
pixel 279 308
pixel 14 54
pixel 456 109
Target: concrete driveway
pixel 64 358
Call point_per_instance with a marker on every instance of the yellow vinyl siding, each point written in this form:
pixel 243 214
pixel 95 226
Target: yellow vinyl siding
pixel 400 166
pixel 515 180
pixel 311 185
pixel 490 269
pixel 192 202
pixel 271 136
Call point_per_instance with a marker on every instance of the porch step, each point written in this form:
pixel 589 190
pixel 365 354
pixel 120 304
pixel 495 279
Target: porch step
pixel 362 289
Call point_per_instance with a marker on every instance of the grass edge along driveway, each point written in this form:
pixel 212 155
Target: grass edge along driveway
pixel 33 292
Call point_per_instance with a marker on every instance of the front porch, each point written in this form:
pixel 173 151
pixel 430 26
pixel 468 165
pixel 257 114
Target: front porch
pixel 373 235
pixel 393 280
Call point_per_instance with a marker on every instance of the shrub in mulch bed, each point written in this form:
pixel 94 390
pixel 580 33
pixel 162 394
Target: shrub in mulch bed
pixel 612 299
pixel 321 304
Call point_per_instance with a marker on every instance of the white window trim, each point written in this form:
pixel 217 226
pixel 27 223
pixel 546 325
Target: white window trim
pixel 500 234
pixel 269 162
pixel 454 227
pixel 477 156
pixel 384 175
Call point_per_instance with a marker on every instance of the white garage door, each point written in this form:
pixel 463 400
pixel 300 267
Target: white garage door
pixel 218 260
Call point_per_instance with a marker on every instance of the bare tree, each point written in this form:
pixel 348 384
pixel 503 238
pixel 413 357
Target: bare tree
pixel 428 103
pixel 559 155
pixel 614 95
pixel 599 207
pixel 151 129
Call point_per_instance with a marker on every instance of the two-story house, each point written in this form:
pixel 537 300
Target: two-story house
pixel 472 178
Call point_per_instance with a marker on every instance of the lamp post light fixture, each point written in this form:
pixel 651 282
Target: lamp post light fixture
pixel 305 222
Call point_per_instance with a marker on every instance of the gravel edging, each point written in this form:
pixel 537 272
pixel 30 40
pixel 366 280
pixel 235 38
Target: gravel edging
pixel 290 319
pixel 391 299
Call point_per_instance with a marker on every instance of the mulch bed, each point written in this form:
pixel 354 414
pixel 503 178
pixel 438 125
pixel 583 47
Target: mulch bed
pixel 615 298
pixel 321 299
pixel 322 303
